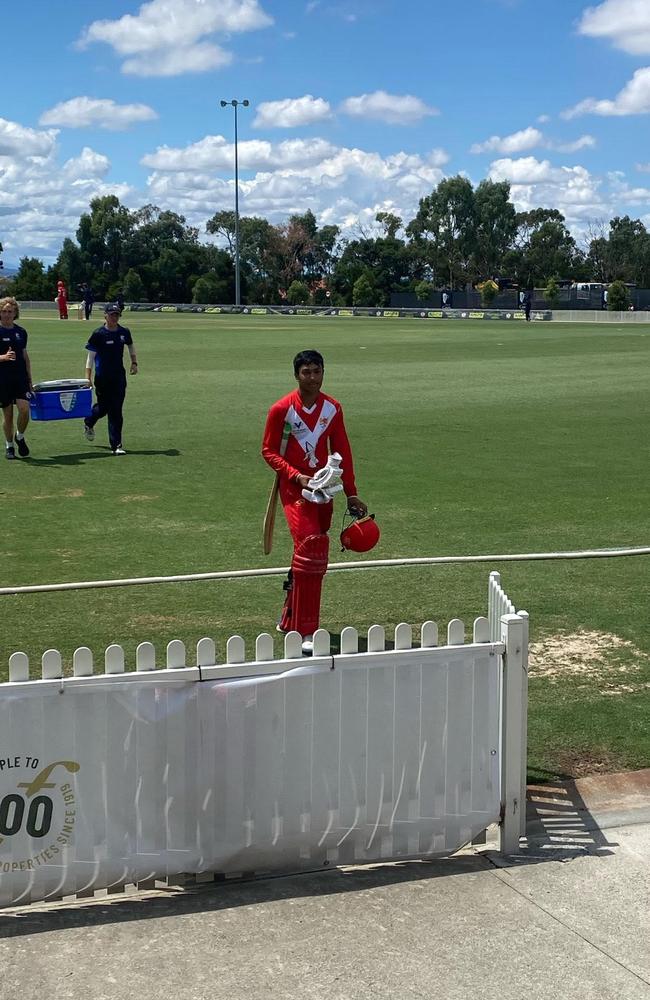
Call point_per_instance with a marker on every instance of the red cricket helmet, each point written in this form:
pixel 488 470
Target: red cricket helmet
pixel 362 535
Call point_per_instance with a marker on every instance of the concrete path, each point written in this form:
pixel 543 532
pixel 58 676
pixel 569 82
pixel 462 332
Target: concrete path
pixel 570 916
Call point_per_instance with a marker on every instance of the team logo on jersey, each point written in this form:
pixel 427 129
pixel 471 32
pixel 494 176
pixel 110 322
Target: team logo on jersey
pixel 308 440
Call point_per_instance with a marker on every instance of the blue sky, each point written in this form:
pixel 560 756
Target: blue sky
pixel 356 107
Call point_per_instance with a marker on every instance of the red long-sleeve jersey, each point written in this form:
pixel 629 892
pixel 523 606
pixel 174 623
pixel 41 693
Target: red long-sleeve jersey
pixel 316 431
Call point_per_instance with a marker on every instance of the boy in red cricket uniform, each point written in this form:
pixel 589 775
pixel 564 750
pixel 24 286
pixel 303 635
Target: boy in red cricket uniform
pixel 317 430
pixel 62 299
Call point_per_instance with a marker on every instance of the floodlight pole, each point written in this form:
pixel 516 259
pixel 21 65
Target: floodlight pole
pixel 235 105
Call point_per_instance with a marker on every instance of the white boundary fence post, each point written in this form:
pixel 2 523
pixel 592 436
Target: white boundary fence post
pixel 513 750
pixel 524 722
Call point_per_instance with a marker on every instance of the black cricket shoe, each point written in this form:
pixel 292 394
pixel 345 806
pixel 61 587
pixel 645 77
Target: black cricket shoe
pixel 21 445
pixel 9 452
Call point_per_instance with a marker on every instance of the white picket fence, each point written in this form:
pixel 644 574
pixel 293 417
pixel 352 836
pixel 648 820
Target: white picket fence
pixel 403 749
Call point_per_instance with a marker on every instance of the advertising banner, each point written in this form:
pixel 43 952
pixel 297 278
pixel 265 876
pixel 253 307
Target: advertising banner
pixel 109 781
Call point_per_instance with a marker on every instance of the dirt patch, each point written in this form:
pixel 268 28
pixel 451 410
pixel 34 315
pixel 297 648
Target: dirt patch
pixel 586 654
pixel 582 763
pixel 156 620
pixel 73 493
pixel 598 658
pixel 137 498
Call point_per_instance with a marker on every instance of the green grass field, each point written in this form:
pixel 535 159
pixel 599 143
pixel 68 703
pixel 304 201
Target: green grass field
pixel 469 438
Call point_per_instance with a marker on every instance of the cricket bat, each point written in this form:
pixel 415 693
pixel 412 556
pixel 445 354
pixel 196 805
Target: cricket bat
pixel 272 505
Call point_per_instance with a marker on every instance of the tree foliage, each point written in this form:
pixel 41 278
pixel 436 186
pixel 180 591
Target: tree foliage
pixel 460 236
pixel 552 293
pixel 423 290
pixel 298 293
pixel 618 298
pixel 31 281
pixel 489 291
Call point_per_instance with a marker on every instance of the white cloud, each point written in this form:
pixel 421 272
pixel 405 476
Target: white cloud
pixel 643 167
pixel 343 187
pixel 518 142
pixel 292 112
pixel 165 37
pixel 572 190
pixel 88 112
pixel 87 166
pixel 626 23
pixel 199 58
pixel 633 99
pixel 543 119
pixel 529 138
pixel 18 140
pixel 41 199
pixel 394 109
pixel 214 152
pixel 584 142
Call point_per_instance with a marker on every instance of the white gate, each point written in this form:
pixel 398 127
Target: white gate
pixel 285 765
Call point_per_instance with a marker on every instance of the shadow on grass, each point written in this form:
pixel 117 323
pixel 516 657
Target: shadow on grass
pixel 80 458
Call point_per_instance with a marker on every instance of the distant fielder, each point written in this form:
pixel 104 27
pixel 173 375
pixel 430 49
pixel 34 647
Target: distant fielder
pixel 306 444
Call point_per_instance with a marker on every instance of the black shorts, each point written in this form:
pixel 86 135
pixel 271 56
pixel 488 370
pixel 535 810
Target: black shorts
pixel 11 391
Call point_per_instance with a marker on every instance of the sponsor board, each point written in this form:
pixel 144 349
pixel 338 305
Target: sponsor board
pixel 107 781
pixel 259 311
pixel 38 811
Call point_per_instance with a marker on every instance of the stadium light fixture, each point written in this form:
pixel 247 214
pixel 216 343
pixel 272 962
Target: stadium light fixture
pixel 236 104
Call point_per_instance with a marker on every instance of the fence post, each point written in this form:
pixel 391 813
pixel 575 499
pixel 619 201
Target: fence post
pixel 513 791
pixel 524 722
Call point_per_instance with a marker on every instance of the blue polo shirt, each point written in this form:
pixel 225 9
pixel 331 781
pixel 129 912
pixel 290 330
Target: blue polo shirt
pixel 108 346
pixel 14 338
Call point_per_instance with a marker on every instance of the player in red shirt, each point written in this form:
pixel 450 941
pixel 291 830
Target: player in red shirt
pixel 317 430
pixel 62 299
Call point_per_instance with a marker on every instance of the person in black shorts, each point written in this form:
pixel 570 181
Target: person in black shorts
pixel 15 378
pixel 87 297
pixel 105 351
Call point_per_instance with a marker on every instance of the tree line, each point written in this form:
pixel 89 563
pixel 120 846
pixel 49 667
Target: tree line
pixel 461 236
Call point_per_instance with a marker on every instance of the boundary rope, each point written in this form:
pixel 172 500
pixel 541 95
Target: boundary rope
pixel 333 568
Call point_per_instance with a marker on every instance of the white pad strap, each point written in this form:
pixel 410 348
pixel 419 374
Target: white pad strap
pixel 322 495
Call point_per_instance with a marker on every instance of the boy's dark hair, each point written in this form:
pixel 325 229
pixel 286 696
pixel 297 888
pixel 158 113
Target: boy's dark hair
pixel 307 358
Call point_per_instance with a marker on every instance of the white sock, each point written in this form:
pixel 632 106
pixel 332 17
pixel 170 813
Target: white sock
pixel 9 444
pixel 19 435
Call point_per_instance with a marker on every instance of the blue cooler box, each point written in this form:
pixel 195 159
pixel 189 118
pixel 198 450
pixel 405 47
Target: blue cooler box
pixel 64 399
